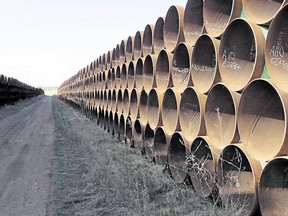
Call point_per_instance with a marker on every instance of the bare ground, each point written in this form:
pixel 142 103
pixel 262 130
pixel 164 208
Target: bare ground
pixel 27 136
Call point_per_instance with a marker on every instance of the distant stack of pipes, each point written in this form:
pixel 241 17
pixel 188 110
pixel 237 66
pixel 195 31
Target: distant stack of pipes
pixel 204 91
pixel 12 90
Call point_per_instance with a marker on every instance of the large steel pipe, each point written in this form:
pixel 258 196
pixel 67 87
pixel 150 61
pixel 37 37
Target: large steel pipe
pixel 122 128
pixel 129 130
pixel 180 72
pixel 204 67
pixel 202 163
pixel 139 75
pixel 118 77
pixel 148 142
pixel 130 49
pixel 273 188
pixel 193 21
pixel 138 45
pixel 262 120
pixel 219 13
pixel 111 123
pixel 149 68
pixel 276 52
pixel 262 12
pixel 158 36
pixel 126 103
pixel 109 59
pixel 237 179
pixel 191 115
pixel 173 27
pixel 114 100
pixel 131 75
pixel 122 52
pixel 148 43
pixel 134 104
pixel 221 116
pixel 142 110
pixel 115 56
pixel 138 131
pixel 154 109
pixel 241 54
pixel 170 111
pixel 111 78
pixel 119 104
pixel 163 71
pixel 177 158
pixel 124 79
pixel 161 145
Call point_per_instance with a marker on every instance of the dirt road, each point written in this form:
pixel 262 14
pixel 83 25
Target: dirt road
pixel 26 142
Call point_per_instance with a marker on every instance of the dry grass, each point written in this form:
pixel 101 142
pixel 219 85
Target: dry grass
pixel 94 174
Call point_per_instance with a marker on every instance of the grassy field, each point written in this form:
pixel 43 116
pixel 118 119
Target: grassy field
pixel 94 174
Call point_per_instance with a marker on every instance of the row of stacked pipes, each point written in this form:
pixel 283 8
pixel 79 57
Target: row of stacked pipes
pixel 204 91
pixel 12 90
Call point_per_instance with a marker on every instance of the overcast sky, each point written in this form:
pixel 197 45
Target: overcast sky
pixel 44 42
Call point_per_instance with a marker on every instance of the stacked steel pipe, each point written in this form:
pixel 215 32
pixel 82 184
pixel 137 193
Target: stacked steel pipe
pixel 204 91
pixel 12 90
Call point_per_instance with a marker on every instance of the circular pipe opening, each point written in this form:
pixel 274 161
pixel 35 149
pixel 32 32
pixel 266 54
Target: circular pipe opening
pixel 218 14
pixel 138 45
pixel 126 102
pixel 236 179
pixel 170 111
pixel 116 124
pixel 124 76
pixel 109 99
pixel 262 120
pixel 106 121
pixel 173 27
pixel 181 67
pixel 191 115
pixel 122 52
pixel 137 133
pixel 119 106
pixel 276 50
pixel 204 68
pixel 115 56
pixel 130 49
pixel 111 123
pixel 262 12
pixel 160 146
pixel 148 72
pixel 143 107
pixel 139 75
pixel 113 100
pixel 193 21
pixel 129 127
pixel 158 36
pixel 131 75
pixel 104 62
pixel 148 142
pixel 108 59
pixel 273 187
pixel 177 158
pixel 154 108
pixel 133 105
pixel 241 54
pixel 118 77
pixel 163 68
pixel 221 116
pixel 122 128
pixel 148 40
pixel 202 167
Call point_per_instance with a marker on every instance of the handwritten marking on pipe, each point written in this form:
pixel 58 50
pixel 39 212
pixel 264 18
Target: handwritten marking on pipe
pixel 202 68
pixel 215 26
pixel 228 60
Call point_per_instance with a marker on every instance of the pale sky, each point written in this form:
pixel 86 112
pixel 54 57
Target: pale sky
pixel 44 42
